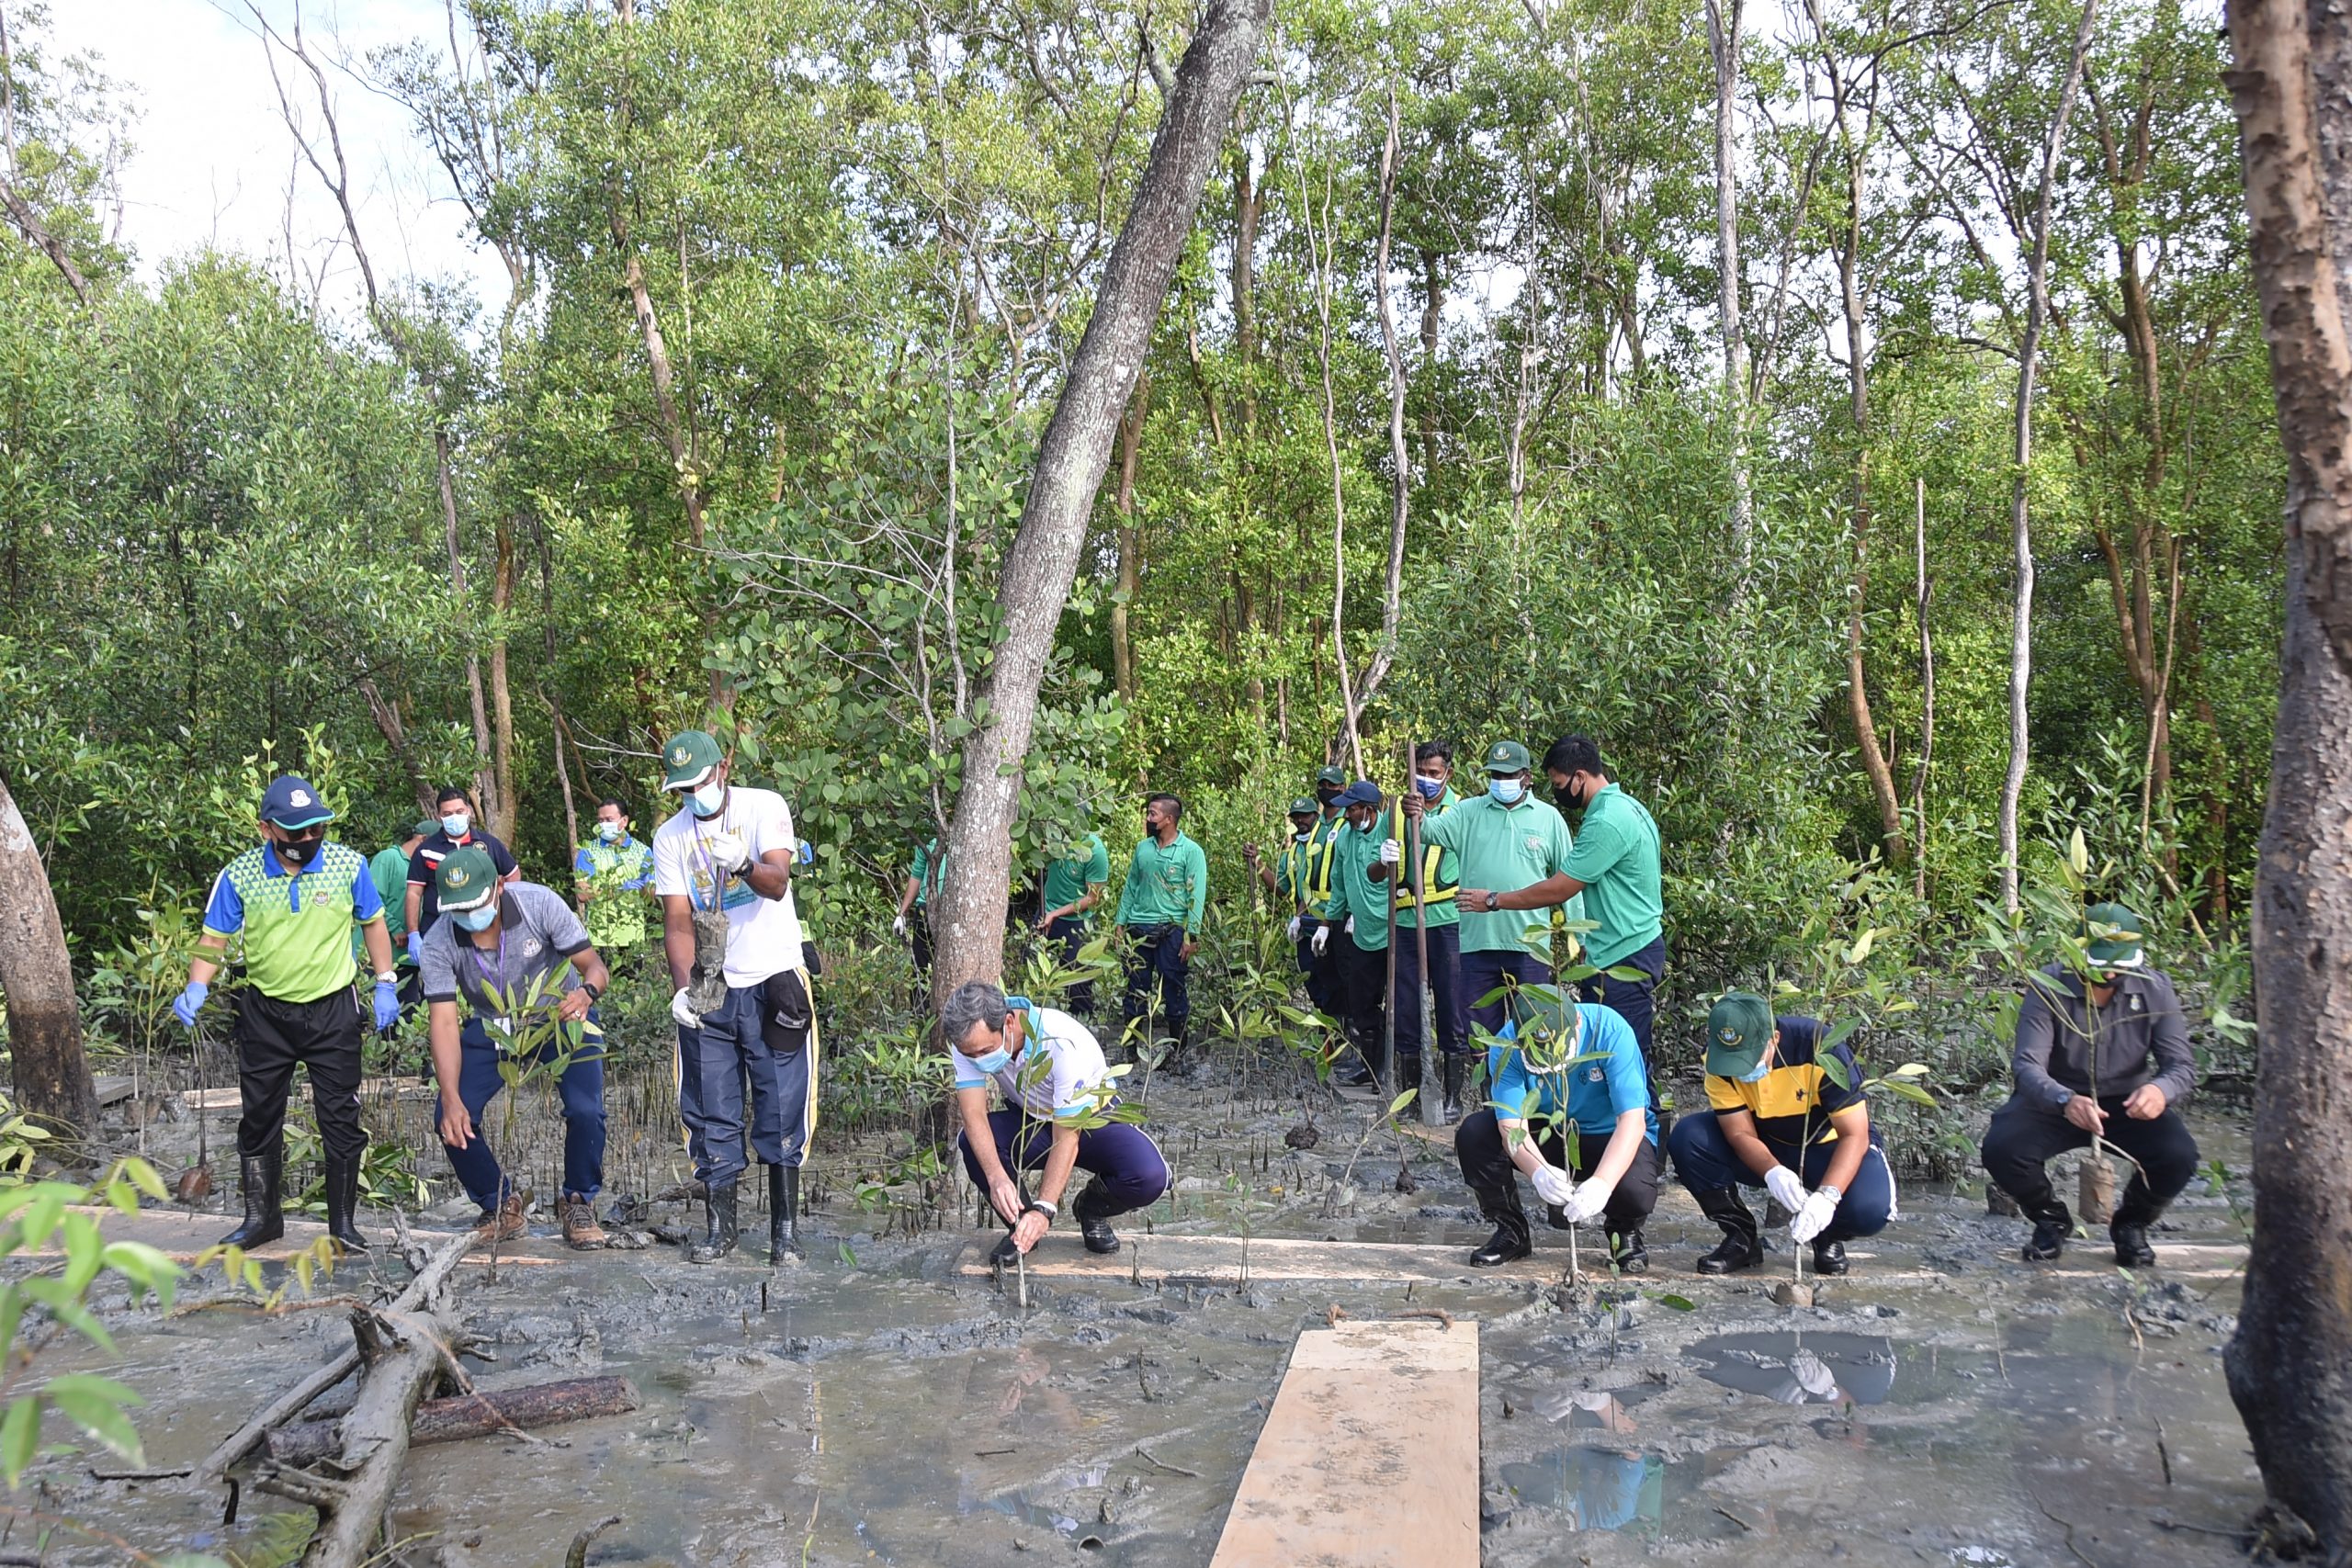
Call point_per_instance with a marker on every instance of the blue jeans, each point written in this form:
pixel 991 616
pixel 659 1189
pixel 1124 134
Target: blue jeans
pixel 728 1060
pixel 1482 972
pixel 581 1088
pixel 1159 953
pixel 1636 1001
pixel 1445 990
pixel 1704 1163
pixel 1120 1157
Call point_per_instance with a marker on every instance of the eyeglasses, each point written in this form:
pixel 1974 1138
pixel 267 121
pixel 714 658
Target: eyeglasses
pixel 310 834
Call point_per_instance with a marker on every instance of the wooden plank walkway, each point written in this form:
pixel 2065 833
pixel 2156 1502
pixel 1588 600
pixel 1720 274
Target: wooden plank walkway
pixel 181 1236
pixel 1369 1457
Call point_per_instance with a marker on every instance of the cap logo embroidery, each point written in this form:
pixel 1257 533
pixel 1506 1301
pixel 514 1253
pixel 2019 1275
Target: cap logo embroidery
pixel 301 798
pixel 458 877
pixel 1728 1036
pixel 679 754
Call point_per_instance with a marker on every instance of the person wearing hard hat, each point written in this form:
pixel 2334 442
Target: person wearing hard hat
pixel 747 1025
pixel 294 899
pixel 2101 1051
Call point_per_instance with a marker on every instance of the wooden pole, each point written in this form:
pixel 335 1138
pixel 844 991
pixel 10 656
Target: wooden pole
pixel 1388 1085
pixel 1433 1115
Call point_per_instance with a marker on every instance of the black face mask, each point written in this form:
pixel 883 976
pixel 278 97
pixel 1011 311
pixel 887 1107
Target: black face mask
pixel 1568 795
pixel 298 852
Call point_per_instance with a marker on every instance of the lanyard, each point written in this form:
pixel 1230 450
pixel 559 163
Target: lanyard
pixel 702 848
pixel 492 981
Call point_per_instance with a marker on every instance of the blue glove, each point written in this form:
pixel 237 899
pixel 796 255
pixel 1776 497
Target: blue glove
pixel 415 949
pixel 388 1005
pixel 185 1005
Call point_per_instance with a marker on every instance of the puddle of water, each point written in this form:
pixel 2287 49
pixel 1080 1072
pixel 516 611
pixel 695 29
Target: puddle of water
pixel 1621 1489
pixel 1802 1369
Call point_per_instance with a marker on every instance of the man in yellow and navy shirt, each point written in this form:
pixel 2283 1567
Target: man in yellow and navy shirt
pixel 295 899
pixel 1785 1123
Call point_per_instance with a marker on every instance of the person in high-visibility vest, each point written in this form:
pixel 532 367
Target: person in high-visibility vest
pixel 1436 882
pixel 1288 879
pixel 1323 975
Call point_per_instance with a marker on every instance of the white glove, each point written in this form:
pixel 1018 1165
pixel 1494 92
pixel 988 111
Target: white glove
pixel 683 1012
pixel 1351 927
pixel 1322 940
pixel 1814 1218
pixel 1552 1184
pixel 1786 1188
pixel 898 926
pixel 1391 851
pixel 728 852
pixel 1294 921
pixel 1591 1197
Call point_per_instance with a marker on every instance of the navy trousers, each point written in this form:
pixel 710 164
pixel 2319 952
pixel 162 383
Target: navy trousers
pixel 1159 954
pixel 1452 1017
pixel 1636 1001
pixel 1067 933
pixel 1482 972
pixel 582 1089
pixel 1120 1157
pixel 1704 1163
pixel 727 1063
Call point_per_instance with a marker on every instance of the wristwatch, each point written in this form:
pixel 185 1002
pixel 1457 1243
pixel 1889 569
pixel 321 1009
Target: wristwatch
pixel 595 992
pixel 2065 1097
pixel 1045 1208
pixel 388 979
pixel 1833 1191
pixel 1494 899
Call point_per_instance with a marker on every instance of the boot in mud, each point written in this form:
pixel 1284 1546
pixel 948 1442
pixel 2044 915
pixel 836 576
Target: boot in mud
pixel 2052 1225
pixel 1509 1241
pixel 2128 1229
pixel 502 1223
pixel 581 1231
pixel 1006 1255
pixel 1092 1210
pixel 725 1227
pixel 783 1213
pixel 264 1221
pixel 1829 1257
pixel 343 1205
pixel 1453 1069
pixel 1741 1246
pixel 1630 1252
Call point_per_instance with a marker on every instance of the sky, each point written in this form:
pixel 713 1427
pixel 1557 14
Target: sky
pixel 213 159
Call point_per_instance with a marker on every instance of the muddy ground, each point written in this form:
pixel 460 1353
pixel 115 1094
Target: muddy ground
pixel 876 1405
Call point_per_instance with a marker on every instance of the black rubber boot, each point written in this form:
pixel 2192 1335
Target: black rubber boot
pixel 1453 1069
pixel 1092 1210
pixel 1509 1241
pixel 2052 1225
pixel 1630 1252
pixel 2128 1229
pixel 1557 1217
pixel 783 1213
pixel 1829 1257
pixel 1741 1247
pixel 343 1205
pixel 726 1227
pixel 265 1220
pixel 1006 1254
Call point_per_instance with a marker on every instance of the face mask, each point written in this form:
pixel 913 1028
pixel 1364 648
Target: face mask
pixel 297 852
pixel 1763 1066
pixel 1431 788
pixel 477 920
pixel 1506 791
pixel 455 824
pixel 706 800
pixel 1300 835
pixel 611 832
pixel 1367 826
pixel 994 1060
pixel 1326 796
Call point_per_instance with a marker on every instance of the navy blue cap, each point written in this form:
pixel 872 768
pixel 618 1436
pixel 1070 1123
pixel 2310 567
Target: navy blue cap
pixel 292 803
pixel 1364 792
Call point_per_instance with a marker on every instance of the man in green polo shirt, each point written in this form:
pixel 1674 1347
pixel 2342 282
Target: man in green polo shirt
pixel 1323 981
pixel 1159 910
pixel 925 877
pixel 1615 868
pixel 1435 881
pixel 294 899
pixel 1506 839
pixel 1074 884
pixel 1289 879
pixel 1355 927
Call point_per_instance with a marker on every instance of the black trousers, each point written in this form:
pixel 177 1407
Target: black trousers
pixel 1361 996
pixel 1158 953
pixel 2023 1137
pixel 1069 935
pixel 272 1037
pixel 1487 1167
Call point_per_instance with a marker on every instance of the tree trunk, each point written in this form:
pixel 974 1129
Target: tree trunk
pixel 502 803
pixel 395 734
pixel 53 1076
pixel 2036 284
pixel 2287 1365
pixel 463 1416
pixel 1400 459
pixel 1249 202
pixel 1923 591
pixel 1123 651
pixel 1723 42
pixel 1072 459
pixel 482 783
pixel 1432 317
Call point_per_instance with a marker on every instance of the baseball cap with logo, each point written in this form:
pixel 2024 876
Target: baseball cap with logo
pixel 292 803
pixel 1739 1028
pixel 424 828
pixel 467 880
pixel 689 758
pixel 1507 757
pixel 1302 807
pixel 1331 776
pixel 2120 951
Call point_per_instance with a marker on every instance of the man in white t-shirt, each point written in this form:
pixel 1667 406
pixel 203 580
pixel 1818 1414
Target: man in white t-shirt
pixel 1049 1071
pixel 722 868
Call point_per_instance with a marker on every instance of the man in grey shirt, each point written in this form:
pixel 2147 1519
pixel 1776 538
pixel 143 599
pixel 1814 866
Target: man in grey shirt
pixel 2106 1055
pixel 522 960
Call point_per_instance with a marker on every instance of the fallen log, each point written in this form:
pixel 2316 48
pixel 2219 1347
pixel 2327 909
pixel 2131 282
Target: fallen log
pixel 295 1400
pixel 478 1415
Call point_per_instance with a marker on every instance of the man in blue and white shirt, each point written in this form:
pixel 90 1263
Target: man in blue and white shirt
pixel 1050 1072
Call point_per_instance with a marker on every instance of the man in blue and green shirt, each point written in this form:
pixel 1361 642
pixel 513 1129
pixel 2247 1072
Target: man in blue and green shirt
pixel 1159 910
pixel 614 876
pixel 1615 867
pixel 1355 927
pixel 295 899
pixel 1074 884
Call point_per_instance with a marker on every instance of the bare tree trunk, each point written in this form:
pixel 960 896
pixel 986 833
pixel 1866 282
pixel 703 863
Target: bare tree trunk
pixel 1723 42
pixel 1123 651
pixel 1432 317
pixel 1401 480
pixel 29 224
pixel 395 734
pixel 483 784
pixel 53 1076
pixel 1923 591
pixel 1325 260
pixel 2293 86
pixel 1072 459
pixel 502 803
pixel 2036 284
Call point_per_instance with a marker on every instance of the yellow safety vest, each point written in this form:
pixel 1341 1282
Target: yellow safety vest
pixel 1435 890
pixel 1321 847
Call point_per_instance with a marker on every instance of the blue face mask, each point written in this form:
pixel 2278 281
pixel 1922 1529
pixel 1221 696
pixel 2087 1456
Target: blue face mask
pixel 705 802
pixel 1763 1068
pixel 1431 788
pixel 1506 791
pixel 476 920
pixel 611 832
pixel 455 823
pixel 994 1062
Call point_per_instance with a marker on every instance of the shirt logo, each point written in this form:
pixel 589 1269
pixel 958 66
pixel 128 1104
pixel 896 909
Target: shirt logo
pixel 1593 1075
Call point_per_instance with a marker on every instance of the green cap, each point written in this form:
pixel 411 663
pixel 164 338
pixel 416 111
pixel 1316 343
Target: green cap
pixel 467 880
pixel 424 829
pixel 1303 806
pixel 2120 950
pixel 1545 1028
pixel 1739 1028
pixel 1331 775
pixel 1507 757
pixel 690 755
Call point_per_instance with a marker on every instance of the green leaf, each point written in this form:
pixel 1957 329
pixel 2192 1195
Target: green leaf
pixel 1906 1089
pixel 95 1404
pixel 2078 854
pixel 1680 1303
pixel 19 1437
pixel 1403 1101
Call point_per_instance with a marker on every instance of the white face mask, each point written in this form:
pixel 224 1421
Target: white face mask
pixel 706 800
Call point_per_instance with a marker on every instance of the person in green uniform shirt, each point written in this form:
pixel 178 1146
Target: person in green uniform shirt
pixel 1288 879
pixel 1323 979
pixel 388 869
pixel 1074 884
pixel 1506 839
pixel 1355 927
pixel 1159 910
pixel 1440 870
pixel 924 879
pixel 614 872
pixel 1615 867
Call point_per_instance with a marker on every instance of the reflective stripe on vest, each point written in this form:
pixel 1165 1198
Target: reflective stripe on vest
pixel 1439 890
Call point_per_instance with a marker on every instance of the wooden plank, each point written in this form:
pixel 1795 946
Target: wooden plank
pixel 182 1235
pixel 1369 1457
pixel 114 1088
